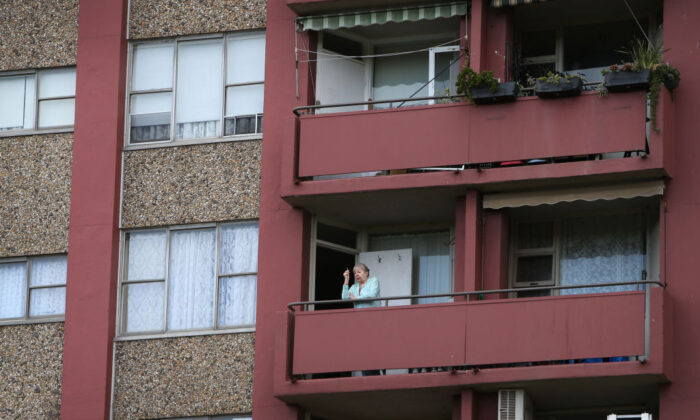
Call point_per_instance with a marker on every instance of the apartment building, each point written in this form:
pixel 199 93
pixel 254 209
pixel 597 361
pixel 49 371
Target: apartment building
pixel 540 251
pixel 130 140
pixel 159 261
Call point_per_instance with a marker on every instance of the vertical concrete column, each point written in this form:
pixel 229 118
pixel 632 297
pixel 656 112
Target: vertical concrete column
pixel 283 256
pixel 464 405
pixel 495 251
pixel 477 33
pixel 93 239
pixel 468 230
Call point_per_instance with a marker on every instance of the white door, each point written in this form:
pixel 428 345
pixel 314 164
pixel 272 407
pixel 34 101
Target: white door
pixel 393 270
pixel 339 80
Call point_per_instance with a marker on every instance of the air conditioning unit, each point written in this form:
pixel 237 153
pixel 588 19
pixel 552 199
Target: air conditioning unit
pixel 643 416
pixel 514 404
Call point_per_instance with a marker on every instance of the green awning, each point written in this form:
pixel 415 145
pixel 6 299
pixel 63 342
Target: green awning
pixel 502 3
pixel 378 17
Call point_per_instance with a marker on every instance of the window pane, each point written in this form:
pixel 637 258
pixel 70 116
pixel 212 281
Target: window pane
pixel 239 248
pixel 400 77
pixel 48 271
pixel 152 67
pixel 237 297
pixel 56 112
pixel 150 117
pixel 244 100
pixel 16 102
pixel 144 306
pixel 245 59
pixel 198 101
pixel 338 235
pixel 534 269
pixel 56 82
pixel 12 289
pixel 446 70
pixel 48 301
pixel 535 235
pixel 146 255
pixel 191 279
pixel 602 249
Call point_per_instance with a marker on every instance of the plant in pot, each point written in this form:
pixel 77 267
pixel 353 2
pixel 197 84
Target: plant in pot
pixel 646 71
pixel 484 88
pixel 558 85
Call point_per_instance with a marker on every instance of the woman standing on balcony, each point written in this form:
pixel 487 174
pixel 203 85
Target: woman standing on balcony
pixel 365 287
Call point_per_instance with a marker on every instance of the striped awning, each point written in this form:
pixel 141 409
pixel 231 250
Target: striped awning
pixel 503 3
pixel 378 17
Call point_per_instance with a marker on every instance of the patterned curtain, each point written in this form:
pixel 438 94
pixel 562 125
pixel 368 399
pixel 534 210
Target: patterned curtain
pixel 602 249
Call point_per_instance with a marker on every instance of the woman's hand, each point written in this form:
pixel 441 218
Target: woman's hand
pixel 352 296
pixel 346 275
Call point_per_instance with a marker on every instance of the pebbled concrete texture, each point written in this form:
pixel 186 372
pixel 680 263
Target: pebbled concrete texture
pixel 185 376
pixel 163 18
pixel 191 184
pixel 31 368
pixel 35 180
pixel 38 34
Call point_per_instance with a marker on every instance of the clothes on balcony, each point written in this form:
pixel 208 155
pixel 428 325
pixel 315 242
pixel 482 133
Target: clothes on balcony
pixel 369 290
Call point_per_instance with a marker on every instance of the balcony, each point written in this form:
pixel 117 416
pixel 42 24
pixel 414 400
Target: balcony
pixel 482 142
pixel 483 344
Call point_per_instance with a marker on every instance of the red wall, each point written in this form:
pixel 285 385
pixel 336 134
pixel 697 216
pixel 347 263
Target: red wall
pixel 93 239
pixel 682 34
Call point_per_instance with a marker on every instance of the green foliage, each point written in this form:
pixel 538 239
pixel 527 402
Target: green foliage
pixel 555 78
pixel 648 56
pixel 468 79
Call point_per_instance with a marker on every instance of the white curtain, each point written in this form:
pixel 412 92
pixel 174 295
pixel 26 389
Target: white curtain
pixel 432 267
pixel 17 96
pixel 191 281
pixel 48 271
pixel 147 255
pixel 144 306
pixel 602 249
pixel 238 255
pixel 13 277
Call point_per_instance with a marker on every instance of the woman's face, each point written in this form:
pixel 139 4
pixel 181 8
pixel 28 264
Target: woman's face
pixel 360 275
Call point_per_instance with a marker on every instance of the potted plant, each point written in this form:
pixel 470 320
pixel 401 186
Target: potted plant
pixel 558 85
pixel 484 88
pixel 646 71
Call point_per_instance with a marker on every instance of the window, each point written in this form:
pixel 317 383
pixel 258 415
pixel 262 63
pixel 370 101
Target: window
pixel 237 417
pixel 32 288
pixel 580 250
pixel 196 89
pixel 184 278
pixel 360 63
pixel 21 108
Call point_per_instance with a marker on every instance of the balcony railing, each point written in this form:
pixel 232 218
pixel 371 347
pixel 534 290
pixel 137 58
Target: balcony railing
pixel 468 334
pixel 461 135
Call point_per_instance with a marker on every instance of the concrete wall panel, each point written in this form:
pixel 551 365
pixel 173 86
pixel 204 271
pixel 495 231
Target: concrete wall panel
pixel 38 34
pixel 31 358
pixel 162 18
pixel 190 376
pixel 35 181
pixel 192 184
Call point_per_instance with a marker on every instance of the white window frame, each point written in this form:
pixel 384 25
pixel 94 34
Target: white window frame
pixel 431 67
pixel 27 319
pixel 173 141
pixel 35 129
pixel 555 251
pixel 123 335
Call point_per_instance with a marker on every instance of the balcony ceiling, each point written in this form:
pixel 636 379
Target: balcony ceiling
pixel 558 398
pixel 572 12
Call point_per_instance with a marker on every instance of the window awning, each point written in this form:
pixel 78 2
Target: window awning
pixel 554 196
pixel 503 3
pixel 378 17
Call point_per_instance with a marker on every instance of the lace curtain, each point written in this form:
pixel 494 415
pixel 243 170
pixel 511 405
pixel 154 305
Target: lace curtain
pixel 239 258
pixel 431 260
pixel 48 271
pixel 12 289
pixel 602 249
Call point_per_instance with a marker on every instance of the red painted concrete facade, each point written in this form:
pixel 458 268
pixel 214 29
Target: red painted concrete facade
pixel 93 240
pixel 312 145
